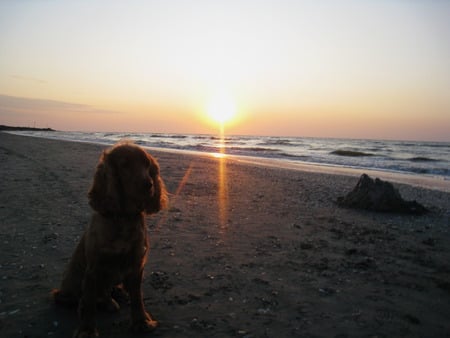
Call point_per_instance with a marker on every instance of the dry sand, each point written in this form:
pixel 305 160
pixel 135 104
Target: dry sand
pixel 243 251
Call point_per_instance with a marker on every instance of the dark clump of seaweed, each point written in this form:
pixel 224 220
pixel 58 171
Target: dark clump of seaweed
pixel 377 195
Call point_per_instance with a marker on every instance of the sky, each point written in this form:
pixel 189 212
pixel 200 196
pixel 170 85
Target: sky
pixel 351 69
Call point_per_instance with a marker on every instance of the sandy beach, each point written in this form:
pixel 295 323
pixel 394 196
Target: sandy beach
pixel 242 251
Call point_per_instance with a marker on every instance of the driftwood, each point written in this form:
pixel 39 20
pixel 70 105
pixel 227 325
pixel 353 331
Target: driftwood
pixel 378 195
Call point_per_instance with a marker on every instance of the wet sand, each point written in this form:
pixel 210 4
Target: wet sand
pixel 243 250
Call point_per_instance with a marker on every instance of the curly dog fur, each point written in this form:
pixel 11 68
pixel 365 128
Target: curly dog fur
pixel 113 249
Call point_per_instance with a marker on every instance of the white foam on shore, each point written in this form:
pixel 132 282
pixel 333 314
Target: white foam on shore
pixel 423 181
pixel 428 182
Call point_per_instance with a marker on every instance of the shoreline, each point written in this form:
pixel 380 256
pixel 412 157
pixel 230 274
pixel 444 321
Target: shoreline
pixel 417 180
pixel 242 251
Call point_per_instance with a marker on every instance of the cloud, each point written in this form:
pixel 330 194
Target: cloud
pixel 21 111
pixel 10 105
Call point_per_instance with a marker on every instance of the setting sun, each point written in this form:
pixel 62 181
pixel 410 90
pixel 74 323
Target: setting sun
pixel 221 108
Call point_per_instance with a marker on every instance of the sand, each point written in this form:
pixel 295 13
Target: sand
pixel 243 250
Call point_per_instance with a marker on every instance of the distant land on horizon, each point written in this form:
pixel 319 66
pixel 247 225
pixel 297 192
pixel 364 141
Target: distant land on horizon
pixel 13 128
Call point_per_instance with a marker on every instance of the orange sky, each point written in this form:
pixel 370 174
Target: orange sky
pixel 357 69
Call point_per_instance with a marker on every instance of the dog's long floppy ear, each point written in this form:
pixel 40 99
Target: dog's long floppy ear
pixel 160 198
pixel 103 195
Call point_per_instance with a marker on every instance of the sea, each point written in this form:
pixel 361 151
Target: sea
pixel 430 159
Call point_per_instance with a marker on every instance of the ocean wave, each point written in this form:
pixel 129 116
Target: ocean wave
pixel 424 144
pixel 203 148
pixel 429 171
pixel 253 149
pixel 234 142
pixel 125 136
pixel 212 138
pixel 292 156
pixel 350 153
pixel 437 145
pixel 405 144
pixel 277 142
pixel 161 144
pixel 201 137
pixel 422 159
pixel 174 136
pixel 429 158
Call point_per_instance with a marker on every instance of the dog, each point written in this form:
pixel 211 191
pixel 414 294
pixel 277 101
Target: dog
pixel 113 249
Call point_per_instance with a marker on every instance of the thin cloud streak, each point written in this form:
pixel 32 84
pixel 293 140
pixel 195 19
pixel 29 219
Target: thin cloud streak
pixel 20 111
pixel 13 104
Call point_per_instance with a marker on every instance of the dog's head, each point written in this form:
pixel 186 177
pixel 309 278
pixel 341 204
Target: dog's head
pixel 127 181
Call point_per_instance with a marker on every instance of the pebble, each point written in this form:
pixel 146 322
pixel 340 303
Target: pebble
pixel 262 311
pixel 327 291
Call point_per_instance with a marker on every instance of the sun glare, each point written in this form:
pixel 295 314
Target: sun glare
pixel 221 108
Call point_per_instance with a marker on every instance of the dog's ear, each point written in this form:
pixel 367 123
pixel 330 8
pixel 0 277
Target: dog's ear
pixel 160 198
pixel 103 195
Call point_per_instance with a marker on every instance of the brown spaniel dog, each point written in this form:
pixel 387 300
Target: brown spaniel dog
pixel 113 249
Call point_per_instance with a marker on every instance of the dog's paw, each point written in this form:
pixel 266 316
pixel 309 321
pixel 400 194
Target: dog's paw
pixel 86 334
pixel 61 298
pixel 145 325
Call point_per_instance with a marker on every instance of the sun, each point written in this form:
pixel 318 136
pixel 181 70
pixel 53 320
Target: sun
pixel 221 108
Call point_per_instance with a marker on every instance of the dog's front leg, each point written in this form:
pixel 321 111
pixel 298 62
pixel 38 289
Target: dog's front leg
pixel 141 320
pixel 87 306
